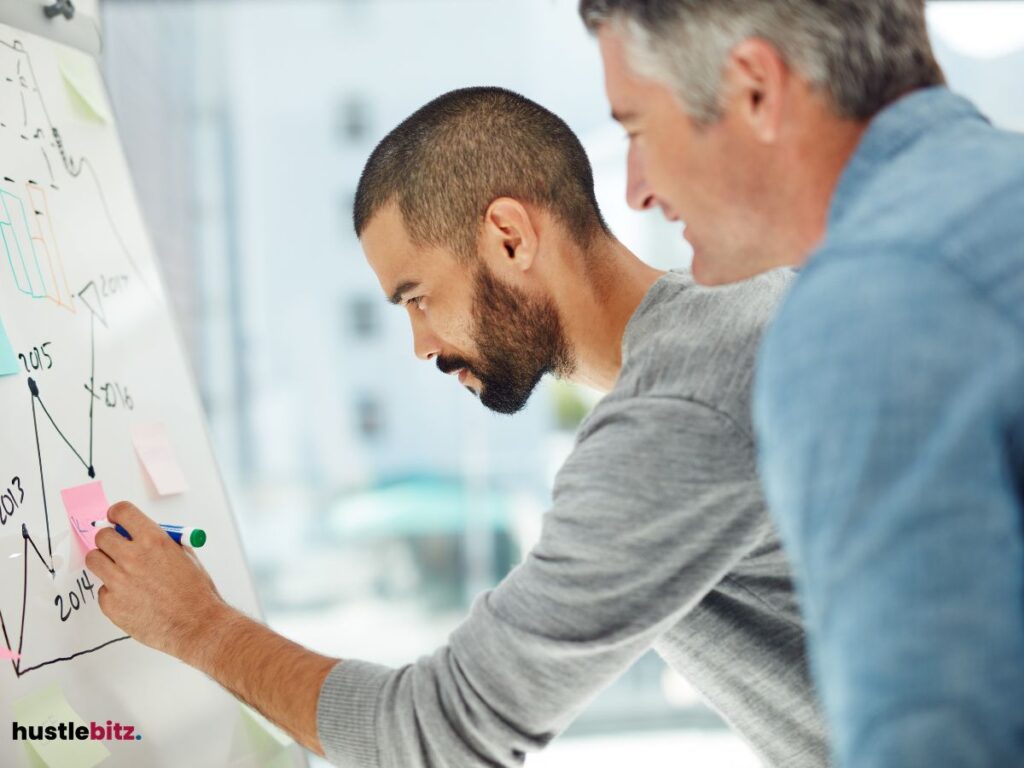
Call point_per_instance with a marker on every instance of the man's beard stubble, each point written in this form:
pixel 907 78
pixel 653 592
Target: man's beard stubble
pixel 519 339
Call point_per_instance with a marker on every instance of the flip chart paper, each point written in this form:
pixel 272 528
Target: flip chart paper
pixel 79 276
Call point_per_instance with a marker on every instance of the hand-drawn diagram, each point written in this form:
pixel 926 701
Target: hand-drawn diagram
pixel 31 122
pixel 88 355
pixel 34 261
pixel 32 246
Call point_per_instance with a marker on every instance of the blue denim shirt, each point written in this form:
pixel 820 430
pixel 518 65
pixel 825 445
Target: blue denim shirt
pixel 889 406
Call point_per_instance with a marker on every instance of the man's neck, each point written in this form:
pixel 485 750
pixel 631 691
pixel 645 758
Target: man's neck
pixel 825 149
pixel 597 296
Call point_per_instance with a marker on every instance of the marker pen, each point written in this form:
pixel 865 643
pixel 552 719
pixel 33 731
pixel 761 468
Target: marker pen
pixel 194 537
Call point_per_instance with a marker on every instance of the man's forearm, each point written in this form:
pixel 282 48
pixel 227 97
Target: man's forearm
pixel 278 677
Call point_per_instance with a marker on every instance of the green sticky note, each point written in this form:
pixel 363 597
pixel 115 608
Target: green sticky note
pixel 85 86
pixel 49 707
pixel 34 760
pixel 8 360
pixel 262 730
pixel 282 759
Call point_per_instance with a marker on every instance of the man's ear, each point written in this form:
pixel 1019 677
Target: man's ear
pixel 755 81
pixel 509 239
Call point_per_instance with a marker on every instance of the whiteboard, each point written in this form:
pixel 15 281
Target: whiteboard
pixel 83 305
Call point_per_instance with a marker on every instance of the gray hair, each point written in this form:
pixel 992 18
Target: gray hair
pixel 862 54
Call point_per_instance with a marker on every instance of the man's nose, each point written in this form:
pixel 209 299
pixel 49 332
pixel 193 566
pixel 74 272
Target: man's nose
pixel 639 195
pixel 425 344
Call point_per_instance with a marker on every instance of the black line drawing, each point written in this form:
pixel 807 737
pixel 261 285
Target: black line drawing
pixel 16 663
pixel 37 127
pixel 72 167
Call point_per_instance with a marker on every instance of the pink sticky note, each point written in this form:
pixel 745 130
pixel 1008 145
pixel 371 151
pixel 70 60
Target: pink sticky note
pixel 156 453
pixel 6 655
pixel 85 503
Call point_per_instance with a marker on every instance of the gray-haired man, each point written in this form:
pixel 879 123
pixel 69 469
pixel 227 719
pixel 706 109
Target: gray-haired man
pixel 890 394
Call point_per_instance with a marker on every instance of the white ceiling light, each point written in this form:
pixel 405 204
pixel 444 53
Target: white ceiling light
pixel 984 30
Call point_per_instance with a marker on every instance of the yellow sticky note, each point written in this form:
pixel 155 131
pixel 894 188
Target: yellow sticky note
pixel 49 707
pixel 258 743
pixel 280 759
pixel 34 760
pixel 85 86
pixel 261 728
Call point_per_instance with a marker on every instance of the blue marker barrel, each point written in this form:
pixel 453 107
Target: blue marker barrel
pixel 194 537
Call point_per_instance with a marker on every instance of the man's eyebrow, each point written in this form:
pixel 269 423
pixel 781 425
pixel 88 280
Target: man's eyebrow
pixel 622 117
pixel 403 288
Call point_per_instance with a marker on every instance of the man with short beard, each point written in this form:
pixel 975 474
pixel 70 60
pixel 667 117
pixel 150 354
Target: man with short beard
pixel 478 216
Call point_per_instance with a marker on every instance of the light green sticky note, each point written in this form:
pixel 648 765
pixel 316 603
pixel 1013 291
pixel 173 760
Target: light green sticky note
pixel 82 78
pixel 282 759
pixel 34 760
pixel 8 360
pixel 49 707
pixel 262 729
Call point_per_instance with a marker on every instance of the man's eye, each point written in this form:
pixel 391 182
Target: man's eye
pixel 417 301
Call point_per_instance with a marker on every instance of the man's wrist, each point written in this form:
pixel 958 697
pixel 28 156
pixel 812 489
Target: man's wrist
pixel 212 628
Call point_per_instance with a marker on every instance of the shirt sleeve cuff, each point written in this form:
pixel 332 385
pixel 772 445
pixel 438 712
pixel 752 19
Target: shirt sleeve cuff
pixel 346 713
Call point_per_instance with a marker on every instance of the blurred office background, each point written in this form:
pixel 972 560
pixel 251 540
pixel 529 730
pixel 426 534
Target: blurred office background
pixel 376 496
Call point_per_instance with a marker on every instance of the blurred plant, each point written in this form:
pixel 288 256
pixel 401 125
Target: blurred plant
pixel 572 404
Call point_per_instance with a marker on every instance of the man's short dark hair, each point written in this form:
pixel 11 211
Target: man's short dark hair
pixel 449 160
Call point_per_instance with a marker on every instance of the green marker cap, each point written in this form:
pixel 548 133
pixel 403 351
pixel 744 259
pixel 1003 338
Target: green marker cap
pixel 197 537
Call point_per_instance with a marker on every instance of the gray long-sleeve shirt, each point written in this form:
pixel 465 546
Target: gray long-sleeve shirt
pixel 658 537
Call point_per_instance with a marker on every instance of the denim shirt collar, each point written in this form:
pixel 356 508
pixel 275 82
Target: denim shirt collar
pixel 890 131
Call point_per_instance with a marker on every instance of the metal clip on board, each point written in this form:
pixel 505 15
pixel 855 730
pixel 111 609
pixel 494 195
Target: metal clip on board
pixel 71 22
pixel 63 8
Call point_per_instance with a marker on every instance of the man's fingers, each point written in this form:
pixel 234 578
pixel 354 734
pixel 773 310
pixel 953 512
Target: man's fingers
pixel 98 562
pixel 131 518
pixel 112 543
pixel 102 595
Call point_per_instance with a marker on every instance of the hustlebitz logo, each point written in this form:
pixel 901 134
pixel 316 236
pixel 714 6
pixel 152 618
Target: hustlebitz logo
pixel 71 731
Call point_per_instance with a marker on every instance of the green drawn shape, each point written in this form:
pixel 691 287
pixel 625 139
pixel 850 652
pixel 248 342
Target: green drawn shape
pixel 9 233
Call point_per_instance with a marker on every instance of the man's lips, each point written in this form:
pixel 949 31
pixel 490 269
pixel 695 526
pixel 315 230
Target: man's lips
pixel 460 373
pixel 453 368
